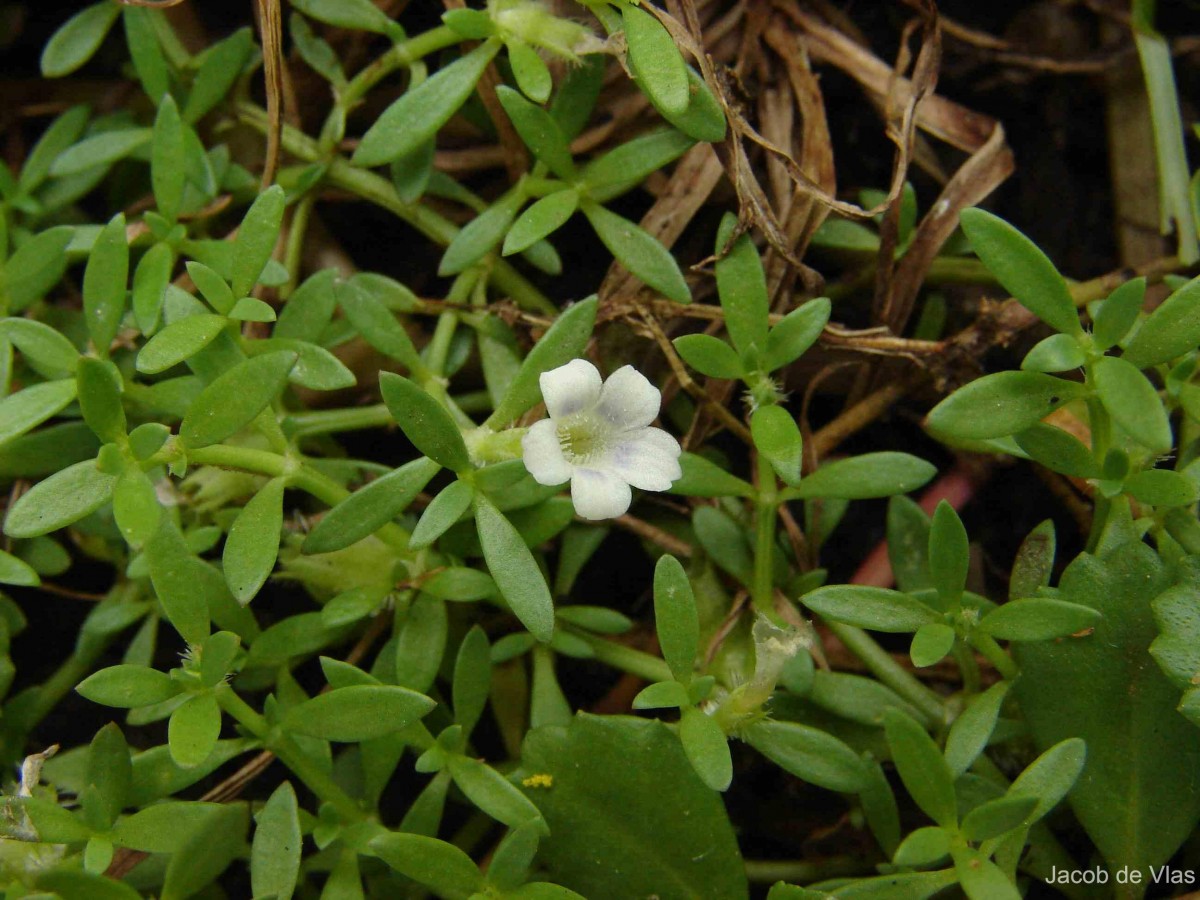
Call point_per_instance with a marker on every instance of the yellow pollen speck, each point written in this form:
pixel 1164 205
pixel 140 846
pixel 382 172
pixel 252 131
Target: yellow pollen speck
pixel 541 780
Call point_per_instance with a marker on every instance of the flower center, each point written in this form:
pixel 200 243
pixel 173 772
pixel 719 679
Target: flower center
pixel 581 438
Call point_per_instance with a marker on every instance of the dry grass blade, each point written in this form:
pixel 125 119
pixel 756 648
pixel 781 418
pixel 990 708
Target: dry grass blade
pixel 270 25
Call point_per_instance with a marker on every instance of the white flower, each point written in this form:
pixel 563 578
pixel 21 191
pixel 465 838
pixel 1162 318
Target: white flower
pixel 599 438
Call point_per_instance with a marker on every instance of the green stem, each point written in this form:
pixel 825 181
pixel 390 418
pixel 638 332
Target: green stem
pixel 400 56
pixel 378 190
pixel 627 659
pixel 968 667
pixel 995 654
pixel 762 592
pixel 881 664
pixel 798 871
pixel 302 476
pixel 299 762
pixel 293 255
pixel 327 421
pixel 1101 428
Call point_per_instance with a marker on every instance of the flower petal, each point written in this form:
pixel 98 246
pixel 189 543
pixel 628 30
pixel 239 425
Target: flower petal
pixel 599 495
pixel 628 399
pixel 542 454
pixel 647 458
pixel 570 388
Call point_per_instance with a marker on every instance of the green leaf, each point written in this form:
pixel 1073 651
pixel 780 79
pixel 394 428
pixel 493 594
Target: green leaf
pixel 1051 776
pixel 627 165
pixel 997 817
pixel 879 609
pixel 166 174
pixel 421 643
pixel 60 135
pixel 973 728
pixel 235 398
pixel 639 252
pixel 530 71
pixel 1133 403
pixel 949 552
pixel 255 241
pixel 539 131
pixel 709 356
pixel 316 368
pixel 357 15
pixel 212 286
pixel 1038 619
pixel 77 40
pixel 78 885
pixel 207 852
pixel 481 235
pixel 1162 487
pixel 179 341
pixel 1001 404
pixel 742 286
pixel 275 853
pixel 371 507
pixel 221 67
pixel 613 811
pixel 109 775
pixel 923 847
pixel 1169 332
pixel 662 695
pixel 866 476
pixel 445 509
pixel 46 350
pixel 145 51
pixel 810 754
pixel 425 422
pixel 357 713
pixel 37 265
pixel 1034 562
pixel 676 618
pixel 376 324
pixel 515 570
pixel 564 341
pixel 702 478
pixel 65 497
pixel 31 406
pixel 1099 688
pixel 416 117
pixel 707 748
pixel 135 506
pixel 193 730
pixel 150 281
pixel 1058 450
pixel 921 767
pixel 1023 269
pixel 725 541
pixel 1117 313
pixel 472 678
pixel 540 220
pixel 652 54
pixel 104 282
pixel 17 572
pixel 493 793
pixel 100 150
pixel 431 862
pixel 309 310
pixel 982 879
pixel 777 437
pixel 1057 353
pixel 128 687
pixel 99 388
pixel 253 542
pixel 798 331
pixel 183 583
pixel 931 643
